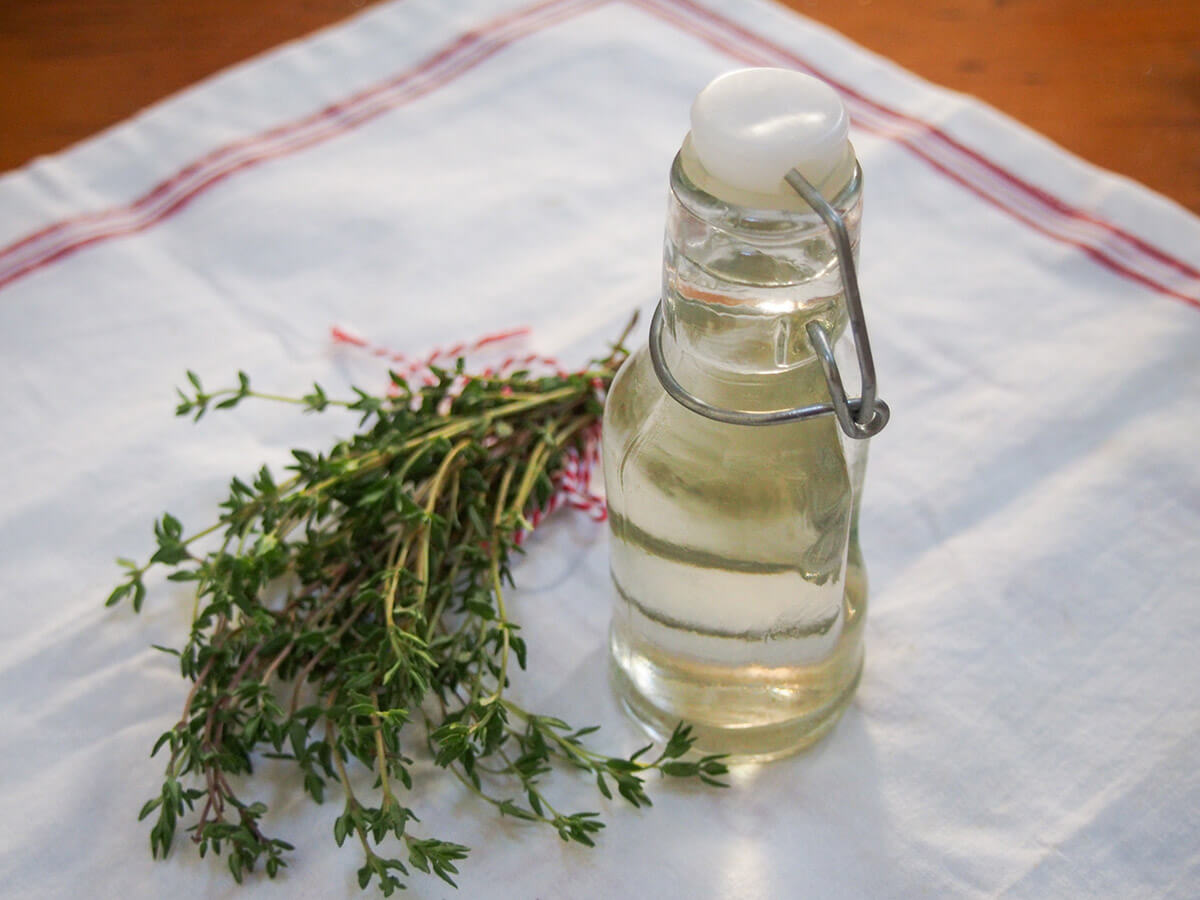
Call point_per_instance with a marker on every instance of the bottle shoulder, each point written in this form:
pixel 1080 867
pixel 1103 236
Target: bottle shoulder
pixel 630 394
pixel 688 481
pixel 641 420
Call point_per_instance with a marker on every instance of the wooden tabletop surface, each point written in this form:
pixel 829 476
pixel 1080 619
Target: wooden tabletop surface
pixel 1114 81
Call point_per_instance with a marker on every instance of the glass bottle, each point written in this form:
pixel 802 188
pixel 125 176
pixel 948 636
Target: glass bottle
pixel 740 591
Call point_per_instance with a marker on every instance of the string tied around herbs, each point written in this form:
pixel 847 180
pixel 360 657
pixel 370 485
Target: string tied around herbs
pixel 574 480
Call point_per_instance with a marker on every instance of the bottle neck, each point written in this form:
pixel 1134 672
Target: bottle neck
pixel 746 359
pixel 740 287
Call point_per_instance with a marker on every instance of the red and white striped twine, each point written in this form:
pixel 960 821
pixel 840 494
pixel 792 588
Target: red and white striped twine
pixel 573 482
pixel 421 368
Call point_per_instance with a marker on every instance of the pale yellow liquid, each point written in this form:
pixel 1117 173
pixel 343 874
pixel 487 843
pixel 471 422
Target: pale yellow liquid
pixel 739 588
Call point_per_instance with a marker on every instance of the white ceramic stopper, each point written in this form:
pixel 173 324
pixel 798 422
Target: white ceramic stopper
pixel 750 126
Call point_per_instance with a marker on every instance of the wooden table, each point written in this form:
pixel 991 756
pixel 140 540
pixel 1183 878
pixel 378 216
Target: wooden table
pixel 1116 82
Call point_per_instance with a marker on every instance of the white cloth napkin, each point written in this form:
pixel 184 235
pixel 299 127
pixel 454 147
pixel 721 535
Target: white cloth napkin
pixel 1028 723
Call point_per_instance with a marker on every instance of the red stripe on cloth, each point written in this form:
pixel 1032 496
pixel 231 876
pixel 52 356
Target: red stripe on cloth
pixel 219 156
pixel 949 156
pixel 466 52
pixel 1116 249
pixel 1042 195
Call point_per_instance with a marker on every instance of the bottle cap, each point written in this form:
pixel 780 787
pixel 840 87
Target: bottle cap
pixel 750 126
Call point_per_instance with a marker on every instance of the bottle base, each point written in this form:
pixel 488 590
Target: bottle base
pixel 750 716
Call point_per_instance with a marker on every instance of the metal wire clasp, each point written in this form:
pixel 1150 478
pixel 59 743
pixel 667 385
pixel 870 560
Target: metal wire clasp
pixel 860 417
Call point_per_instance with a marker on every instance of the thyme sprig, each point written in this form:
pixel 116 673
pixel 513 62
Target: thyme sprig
pixel 357 609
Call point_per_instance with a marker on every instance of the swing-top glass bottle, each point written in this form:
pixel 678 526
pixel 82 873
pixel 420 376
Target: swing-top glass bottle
pixel 740 590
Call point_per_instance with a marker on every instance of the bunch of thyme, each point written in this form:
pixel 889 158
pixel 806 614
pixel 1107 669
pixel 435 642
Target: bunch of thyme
pixel 358 607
